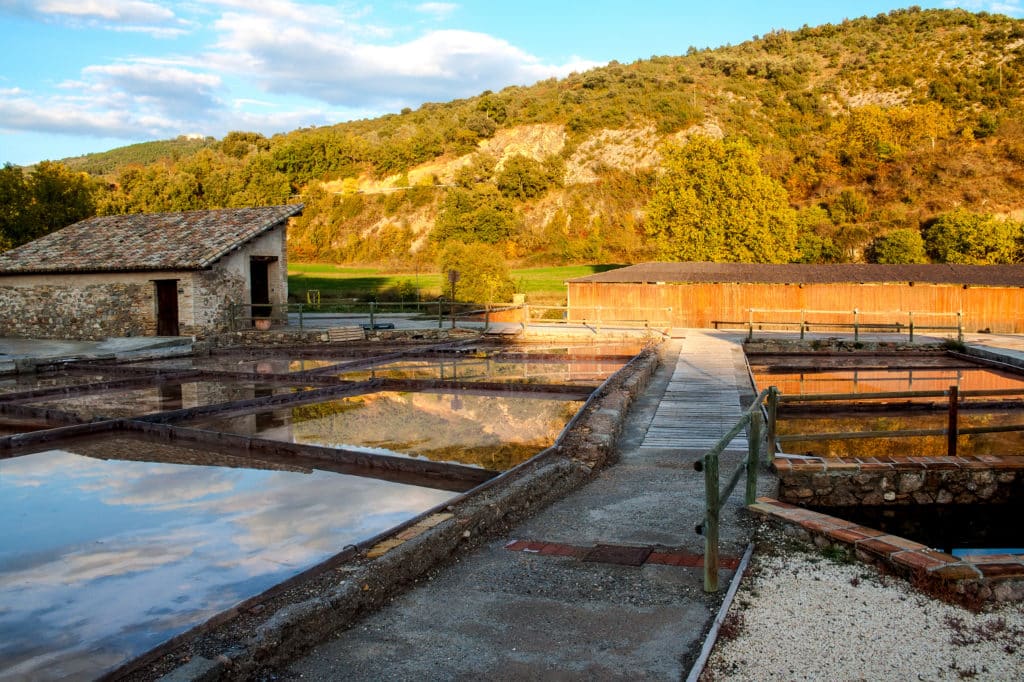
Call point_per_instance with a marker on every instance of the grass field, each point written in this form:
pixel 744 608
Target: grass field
pixel 541 285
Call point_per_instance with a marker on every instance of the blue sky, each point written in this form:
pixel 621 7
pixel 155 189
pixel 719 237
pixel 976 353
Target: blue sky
pixel 79 76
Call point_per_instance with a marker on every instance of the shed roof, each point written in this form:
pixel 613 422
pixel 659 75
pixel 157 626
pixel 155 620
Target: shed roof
pixel 678 273
pixel 190 240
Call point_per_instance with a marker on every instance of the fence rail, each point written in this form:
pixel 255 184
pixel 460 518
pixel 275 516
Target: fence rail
pixel 895 321
pixel 952 431
pixel 244 316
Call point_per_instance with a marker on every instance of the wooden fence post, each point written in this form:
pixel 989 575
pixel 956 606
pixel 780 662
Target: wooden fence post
pixel 773 413
pixel 753 457
pixel 953 428
pixel 711 524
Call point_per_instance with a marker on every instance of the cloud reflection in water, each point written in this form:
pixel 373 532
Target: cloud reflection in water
pixel 103 560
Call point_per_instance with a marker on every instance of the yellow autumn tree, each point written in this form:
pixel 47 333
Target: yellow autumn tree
pixel 713 202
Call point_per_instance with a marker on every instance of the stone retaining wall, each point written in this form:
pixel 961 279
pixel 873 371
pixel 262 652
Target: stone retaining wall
pixel 891 481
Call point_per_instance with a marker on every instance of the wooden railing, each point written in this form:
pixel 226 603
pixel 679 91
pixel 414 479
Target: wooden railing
pixel 952 431
pixel 715 498
pixel 894 322
pixel 765 408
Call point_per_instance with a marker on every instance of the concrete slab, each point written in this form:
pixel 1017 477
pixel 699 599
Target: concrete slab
pixel 24 354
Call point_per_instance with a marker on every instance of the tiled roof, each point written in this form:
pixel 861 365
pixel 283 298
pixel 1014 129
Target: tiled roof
pixel 979 275
pixel 190 240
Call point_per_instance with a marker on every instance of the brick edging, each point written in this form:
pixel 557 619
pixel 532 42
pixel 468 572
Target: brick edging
pixel 988 578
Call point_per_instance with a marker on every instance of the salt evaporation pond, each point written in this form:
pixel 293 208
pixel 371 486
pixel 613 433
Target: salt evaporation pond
pixel 102 560
pixel 493 432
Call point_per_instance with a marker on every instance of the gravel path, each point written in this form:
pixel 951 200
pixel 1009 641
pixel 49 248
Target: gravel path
pixel 800 616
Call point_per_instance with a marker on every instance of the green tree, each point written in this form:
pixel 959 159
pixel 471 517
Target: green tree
pixel 49 198
pixel 974 239
pixel 477 214
pixel 483 272
pixel 714 203
pixel 904 245
pixel 524 178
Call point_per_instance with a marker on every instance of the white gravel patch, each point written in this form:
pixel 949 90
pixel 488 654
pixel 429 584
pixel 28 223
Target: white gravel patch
pixel 804 617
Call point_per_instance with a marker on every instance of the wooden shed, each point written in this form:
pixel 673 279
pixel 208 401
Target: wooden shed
pixel 706 295
pixel 163 274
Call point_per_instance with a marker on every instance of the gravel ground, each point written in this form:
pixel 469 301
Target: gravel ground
pixel 801 616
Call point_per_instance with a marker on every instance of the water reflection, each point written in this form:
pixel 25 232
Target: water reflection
pixel 161 398
pixel 270 364
pixel 102 560
pixel 590 372
pixel 811 382
pixel 488 431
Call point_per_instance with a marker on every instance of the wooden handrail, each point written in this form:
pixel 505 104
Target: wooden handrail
pixel 714 498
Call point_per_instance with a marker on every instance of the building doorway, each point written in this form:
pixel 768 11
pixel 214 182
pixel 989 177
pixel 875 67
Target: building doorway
pixel 166 307
pixel 259 285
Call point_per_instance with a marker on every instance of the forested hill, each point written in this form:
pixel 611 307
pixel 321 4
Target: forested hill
pixel 856 140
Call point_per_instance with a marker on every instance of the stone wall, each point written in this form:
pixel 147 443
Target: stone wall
pixel 938 480
pixel 70 309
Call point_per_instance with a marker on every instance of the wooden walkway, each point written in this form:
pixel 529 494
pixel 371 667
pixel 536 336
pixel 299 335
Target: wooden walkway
pixel 702 400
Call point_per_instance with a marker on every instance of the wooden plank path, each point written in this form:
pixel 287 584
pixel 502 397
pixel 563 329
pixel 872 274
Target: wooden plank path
pixel 702 401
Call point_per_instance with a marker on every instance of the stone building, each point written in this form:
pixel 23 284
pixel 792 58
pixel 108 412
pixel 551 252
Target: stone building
pixel 165 274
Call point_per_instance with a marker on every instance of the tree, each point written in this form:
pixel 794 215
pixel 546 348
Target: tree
pixel 974 239
pixel 904 245
pixel 478 214
pixel 524 178
pixel 483 272
pixel 49 198
pixel 714 203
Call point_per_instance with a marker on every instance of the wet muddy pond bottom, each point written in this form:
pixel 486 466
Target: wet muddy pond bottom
pixel 492 432
pixel 960 530
pixel 112 546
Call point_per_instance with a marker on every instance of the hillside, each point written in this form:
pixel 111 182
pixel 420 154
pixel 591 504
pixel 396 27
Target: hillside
pixel 873 125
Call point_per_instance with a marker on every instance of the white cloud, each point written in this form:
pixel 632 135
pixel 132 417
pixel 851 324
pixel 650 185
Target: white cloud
pixel 269 66
pixel 438 9
pixel 342 68
pixel 1009 7
pixel 171 90
pixel 133 11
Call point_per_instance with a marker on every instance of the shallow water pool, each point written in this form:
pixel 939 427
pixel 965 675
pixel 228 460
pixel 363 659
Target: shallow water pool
pixel 102 559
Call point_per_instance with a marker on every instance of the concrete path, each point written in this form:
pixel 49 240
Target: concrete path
pixel 531 606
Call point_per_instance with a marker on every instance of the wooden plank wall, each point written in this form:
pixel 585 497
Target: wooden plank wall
pixel 999 310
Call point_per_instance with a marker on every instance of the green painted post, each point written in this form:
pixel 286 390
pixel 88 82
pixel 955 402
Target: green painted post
pixel 750 324
pixel 371 315
pixel 960 326
pixel 856 325
pixel 711 524
pixel 753 456
pixel 440 318
pixel 911 314
pixel 302 307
